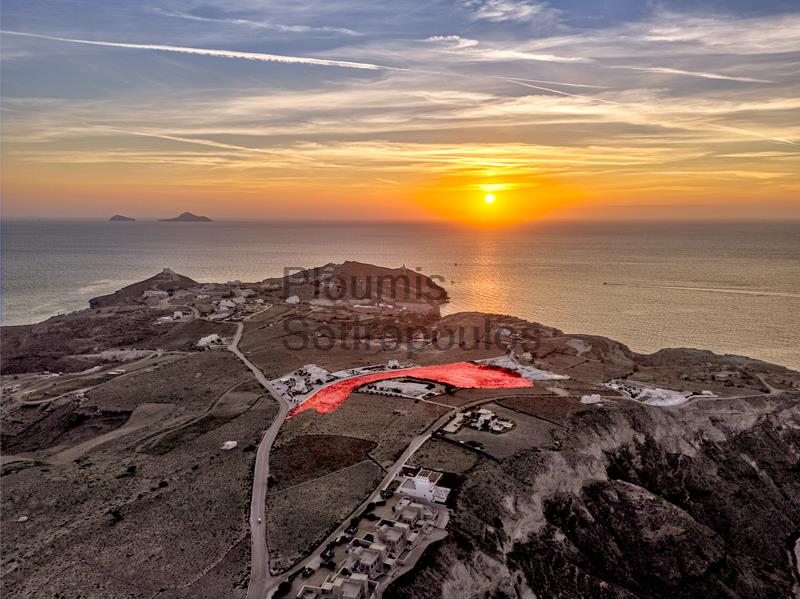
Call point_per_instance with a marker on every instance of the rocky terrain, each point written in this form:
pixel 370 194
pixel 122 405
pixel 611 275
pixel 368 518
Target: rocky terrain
pixel 674 474
pixel 639 502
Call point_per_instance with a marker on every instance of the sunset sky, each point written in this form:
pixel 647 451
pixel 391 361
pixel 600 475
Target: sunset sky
pixel 319 109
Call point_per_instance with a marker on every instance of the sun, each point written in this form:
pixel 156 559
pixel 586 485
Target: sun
pixel 489 198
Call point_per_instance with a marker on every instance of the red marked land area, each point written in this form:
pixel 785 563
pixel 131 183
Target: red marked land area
pixel 464 375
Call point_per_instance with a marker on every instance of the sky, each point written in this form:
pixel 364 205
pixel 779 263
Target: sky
pixel 345 109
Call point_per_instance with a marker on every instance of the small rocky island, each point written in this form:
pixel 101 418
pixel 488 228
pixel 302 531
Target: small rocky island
pixel 186 217
pixel 121 219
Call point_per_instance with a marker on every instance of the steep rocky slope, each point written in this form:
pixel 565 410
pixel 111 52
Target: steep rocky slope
pixel 640 502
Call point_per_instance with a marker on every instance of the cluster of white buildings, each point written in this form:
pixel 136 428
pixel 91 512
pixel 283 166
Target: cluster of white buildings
pixel 299 385
pixel 481 420
pixel 239 304
pixel 404 387
pixel 384 549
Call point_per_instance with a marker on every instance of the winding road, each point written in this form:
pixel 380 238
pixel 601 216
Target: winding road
pixel 259 555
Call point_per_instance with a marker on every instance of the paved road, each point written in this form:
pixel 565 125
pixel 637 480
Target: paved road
pixel 259 554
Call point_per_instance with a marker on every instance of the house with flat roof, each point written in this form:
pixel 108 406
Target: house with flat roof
pixel 395 537
pixel 423 484
pixel 352 586
pixel 368 560
pixel 342 585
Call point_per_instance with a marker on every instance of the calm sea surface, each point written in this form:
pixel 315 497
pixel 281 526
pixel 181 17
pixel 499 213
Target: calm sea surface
pixel 727 287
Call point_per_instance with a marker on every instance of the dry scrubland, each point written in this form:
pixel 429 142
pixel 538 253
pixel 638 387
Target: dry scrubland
pixel 300 517
pixel 446 457
pixel 175 518
pixel 391 422
pixel 71 342
pixel 191 384
pixel 308 457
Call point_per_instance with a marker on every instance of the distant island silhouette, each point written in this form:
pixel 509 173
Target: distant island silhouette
pixel 121 218
pixel 186 217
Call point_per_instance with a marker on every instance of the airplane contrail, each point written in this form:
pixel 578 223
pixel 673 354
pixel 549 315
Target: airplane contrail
pixel 555 91
pixel 257 56
pixel 700 74
pixel 265 57
pixel 557 83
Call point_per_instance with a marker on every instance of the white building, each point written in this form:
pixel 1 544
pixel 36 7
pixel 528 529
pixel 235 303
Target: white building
pixel 423 484
pixel 209 341
pixel 482 417
pixel 500 425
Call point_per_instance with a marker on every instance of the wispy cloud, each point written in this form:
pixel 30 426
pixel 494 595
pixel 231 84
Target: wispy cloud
pixel 454 41
pixel 701 74
pixel 257 56
pixel 499 11
pixel 468 49
pixel 494 54
pixel 257 24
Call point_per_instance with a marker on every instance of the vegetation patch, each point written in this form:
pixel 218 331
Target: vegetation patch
pixel 308 457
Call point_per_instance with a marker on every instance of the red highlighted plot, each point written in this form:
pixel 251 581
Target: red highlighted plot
pixel 465 375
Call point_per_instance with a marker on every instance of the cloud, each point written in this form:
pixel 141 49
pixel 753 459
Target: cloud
pixel 258 24
pixel 701 74
pixel 769 34
pixel 455 41
pixel 469 50
pixel 680 34
pixel 498 54
pixel 257 56
pixel 498 11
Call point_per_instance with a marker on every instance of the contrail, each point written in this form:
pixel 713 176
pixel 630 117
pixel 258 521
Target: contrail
pixel 257 56
pixel 189 140
pixel 555 91
pixel 556 83
pixel 264 57
pixel 782 140
pixel 701 74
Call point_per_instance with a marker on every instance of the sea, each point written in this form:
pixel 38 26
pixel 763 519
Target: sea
pixel 730 287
